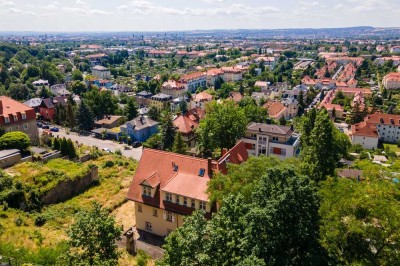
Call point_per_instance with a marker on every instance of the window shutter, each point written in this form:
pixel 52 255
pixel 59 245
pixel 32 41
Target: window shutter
pixel 173 218
pixel 165 215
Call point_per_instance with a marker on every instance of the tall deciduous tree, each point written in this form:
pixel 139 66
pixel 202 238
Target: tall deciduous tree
pixel 93 238
pixel 222 126
pixel 323 148
pixel 360 221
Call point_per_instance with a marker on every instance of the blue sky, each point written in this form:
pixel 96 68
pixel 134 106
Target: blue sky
pixel 162 15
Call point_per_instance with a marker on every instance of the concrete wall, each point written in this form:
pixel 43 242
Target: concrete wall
pixel 10 160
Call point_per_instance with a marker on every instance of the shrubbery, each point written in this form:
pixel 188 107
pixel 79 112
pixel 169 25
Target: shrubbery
pixel 15 140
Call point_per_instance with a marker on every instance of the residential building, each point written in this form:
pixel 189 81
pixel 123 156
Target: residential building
pixel 41 83
pixel 187 124
pixel 140 128
pixel 266 139
pixel 263 85
pixel 395 49
pixel 101 72
pixel 109 121
pixel 60 90
pixel 143 98
pixel 351 92
pixel 200 100
pixel 275 109
pixel 174 88
pixel 168 186
pixel 213 74
pixel 235 96
pixel 329 106
pixel 365 135
pixel 292 106
pixel 34 103
pixel 391 81
pixel 386 125
pixel 15 116
pixel 47 107
pixel 232 74
pixel 194 81
pixel 160 101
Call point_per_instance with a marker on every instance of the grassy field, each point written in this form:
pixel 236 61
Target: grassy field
pixel 111 193
pixel 392 147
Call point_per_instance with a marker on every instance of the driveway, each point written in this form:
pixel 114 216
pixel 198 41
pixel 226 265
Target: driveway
pixel 135 153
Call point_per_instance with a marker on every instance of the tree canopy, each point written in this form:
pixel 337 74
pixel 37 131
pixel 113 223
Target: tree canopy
pixel 15 140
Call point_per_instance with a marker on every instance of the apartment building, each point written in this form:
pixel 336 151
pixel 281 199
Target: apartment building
pixel 168 186
pixel 391 81
pixel 101 72
pixel 15 116
pixel 160 101
pixel 266 139
pixel 194 81
pixel 200 100
pixel 232 74
pixel 174 88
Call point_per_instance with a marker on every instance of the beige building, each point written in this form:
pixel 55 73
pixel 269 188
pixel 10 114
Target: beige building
pixel 15 116
pixel 174 88
pixel 232 74
pixel 101 72
pixel 167 186
pixel 391 81
pixel 161 101
pixel 200 100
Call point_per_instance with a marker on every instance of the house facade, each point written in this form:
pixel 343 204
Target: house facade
pixel 47 108
pixel 101 72
pixel 15 116
pixel 140 128
pixel 391 81
pixel 174 88
pixel 160 101
pixel 200 100
pixel 266 139
pixel 194 81
pixel 168 186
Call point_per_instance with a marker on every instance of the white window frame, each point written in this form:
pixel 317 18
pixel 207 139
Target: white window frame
pixel 7 120
pixel 168 197
pixel 185 201
pixel 146 191
pixel 177 199
pixel 193 204
pixel 23 115
pixel 25 126
pixel 203 205
pixel 170 217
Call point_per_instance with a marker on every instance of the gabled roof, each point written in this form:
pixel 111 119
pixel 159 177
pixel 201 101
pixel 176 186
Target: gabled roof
pixel 275 108
pixel 50 103
pixel 184 124
pixel 237 155
pixel 153 180
pixel 10 108
pixel 202 96
pixel 270 129
pixel 364 130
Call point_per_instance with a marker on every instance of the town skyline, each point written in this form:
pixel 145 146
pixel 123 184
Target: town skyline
pixel 155 15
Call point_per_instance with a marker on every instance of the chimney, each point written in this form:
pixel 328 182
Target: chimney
pixel 209 167
pixel 224 151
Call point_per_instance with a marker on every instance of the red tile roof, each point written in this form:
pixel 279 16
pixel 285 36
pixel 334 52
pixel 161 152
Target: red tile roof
pixel 184 124
pixel 364 130
pixel 202 96
pixel 235 96
pixel 275 108
pixel 10 107
pixel 192 76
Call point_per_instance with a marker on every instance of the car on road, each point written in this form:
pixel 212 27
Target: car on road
pixel 55 129
pixel 127 147
pixel 45 127
pixel 106 150
pixel 39 124
pixel 136 144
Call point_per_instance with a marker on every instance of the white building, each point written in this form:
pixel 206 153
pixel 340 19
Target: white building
pixel 391 81
pixel 101 72
pixel 266 139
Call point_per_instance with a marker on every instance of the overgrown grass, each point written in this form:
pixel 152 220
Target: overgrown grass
pixel 392 147
pixel 110 192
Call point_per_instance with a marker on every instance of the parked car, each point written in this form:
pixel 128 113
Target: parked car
pixel 55 129
pixel 106 150
pixel 39 124
pixel 127 147
pixel 136 144
pixel 46 127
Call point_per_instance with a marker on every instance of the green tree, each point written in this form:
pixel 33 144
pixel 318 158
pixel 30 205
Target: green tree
pixel 223 125
pixel 64 147
pixel 179 145
pixel 323 148
pixel 93 238
pixel 71 149
pixel 360 221
pixel 218 83
pixel 85 117
pixel 167 131
pixel 15 140
pixel 77 75
pixel 78 87
pixel 70 115
pixel 131 109
pixel 282 121
pixel 153 113
pixel 56 144
pixel 183 107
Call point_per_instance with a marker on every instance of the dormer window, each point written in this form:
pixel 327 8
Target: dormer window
pixel 23 116
pixel 168 197
pixel 7 120
pixel 15 118
pixel 147 191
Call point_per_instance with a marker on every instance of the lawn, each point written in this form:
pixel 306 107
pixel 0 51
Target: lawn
pixel 115 175
pixel 392 147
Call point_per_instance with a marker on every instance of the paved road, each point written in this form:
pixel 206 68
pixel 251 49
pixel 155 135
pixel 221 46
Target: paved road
pixel 135 153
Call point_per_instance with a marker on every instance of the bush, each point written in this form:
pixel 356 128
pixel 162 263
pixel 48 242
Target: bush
pixel 18 221
pixel 108 164
pixel 142 258
pixel 15 140
pixel 118 152
pixel 40 220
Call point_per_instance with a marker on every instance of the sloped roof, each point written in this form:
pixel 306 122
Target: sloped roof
pixel 184 124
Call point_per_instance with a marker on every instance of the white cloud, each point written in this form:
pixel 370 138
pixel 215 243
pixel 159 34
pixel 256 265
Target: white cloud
pixel 7 3
pixel 308 5
pixel 49 7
